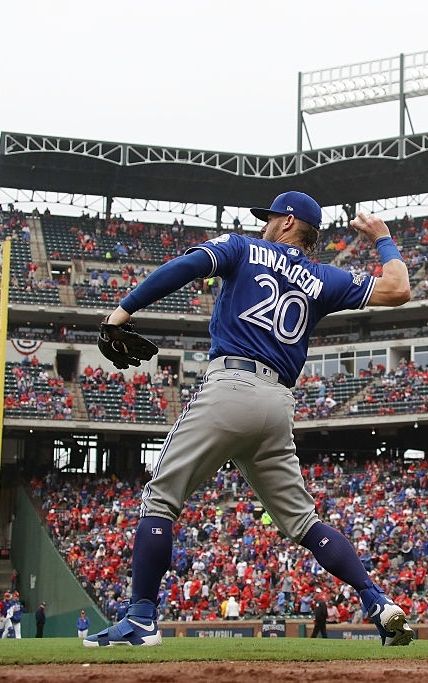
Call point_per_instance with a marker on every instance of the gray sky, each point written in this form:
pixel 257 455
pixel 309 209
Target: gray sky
pixel 212 74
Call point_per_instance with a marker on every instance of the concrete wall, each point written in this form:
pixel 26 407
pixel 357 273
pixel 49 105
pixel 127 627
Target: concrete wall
pixel 90 355
pixel 44 576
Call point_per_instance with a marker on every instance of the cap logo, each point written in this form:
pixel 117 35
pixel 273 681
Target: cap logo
pixel 289 208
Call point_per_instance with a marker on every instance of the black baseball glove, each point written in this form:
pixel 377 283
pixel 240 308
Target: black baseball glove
pixel 124 346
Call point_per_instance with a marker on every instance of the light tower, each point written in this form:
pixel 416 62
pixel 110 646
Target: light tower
pixel 357 85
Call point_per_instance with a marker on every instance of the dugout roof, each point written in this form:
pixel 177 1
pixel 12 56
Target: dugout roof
pixel 334 175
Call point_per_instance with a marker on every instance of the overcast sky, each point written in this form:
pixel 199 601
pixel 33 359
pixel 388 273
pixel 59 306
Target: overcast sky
pixel 211 74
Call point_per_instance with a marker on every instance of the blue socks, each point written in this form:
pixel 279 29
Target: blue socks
pixel 153 549
pixel 151 557
pixel 336 554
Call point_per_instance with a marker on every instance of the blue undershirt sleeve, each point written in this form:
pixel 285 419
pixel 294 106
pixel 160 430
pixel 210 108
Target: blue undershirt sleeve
pixel 167 279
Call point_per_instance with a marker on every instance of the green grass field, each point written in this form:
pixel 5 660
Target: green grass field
pixel 70 651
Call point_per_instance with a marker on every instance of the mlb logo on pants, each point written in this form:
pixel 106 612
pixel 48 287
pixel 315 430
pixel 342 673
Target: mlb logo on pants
pixel 157 530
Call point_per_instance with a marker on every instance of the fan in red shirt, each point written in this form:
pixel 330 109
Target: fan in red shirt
pixel 344 613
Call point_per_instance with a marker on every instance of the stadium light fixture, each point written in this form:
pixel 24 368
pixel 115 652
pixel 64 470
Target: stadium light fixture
pixel 356 85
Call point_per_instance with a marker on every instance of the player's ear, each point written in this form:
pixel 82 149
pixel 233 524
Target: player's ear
pixel 287 223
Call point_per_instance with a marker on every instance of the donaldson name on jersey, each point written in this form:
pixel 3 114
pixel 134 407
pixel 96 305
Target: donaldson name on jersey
pixel 271 299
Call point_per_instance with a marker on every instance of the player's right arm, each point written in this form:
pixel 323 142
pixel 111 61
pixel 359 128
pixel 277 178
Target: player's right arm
pixel 215 257
pixel 164 280
pixel 393 288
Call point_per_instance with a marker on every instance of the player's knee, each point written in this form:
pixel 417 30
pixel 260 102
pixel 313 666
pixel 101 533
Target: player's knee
pixel 300 527
pixel 156 508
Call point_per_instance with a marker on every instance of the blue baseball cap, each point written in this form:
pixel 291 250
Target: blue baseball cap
pixel 297 204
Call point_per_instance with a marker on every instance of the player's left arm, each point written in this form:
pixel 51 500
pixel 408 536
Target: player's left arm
pixel 393 287
pixel 348 290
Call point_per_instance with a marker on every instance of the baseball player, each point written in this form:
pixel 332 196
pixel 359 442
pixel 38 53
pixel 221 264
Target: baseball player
pixel 271 298
pixel 16 615
pixel 7 612
pixel 82 624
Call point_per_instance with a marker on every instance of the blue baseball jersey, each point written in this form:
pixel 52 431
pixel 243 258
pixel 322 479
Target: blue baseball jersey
pixel 271 299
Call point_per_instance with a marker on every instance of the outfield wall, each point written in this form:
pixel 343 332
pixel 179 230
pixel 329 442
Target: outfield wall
pixel 44 576
pixel 294 628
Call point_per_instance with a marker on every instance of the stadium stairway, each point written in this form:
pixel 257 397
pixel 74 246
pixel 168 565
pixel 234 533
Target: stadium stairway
pixel 78 271
pixel 66 295
pixel 359 396
pixel 37 246
pixel 343 255
pixel 420 292
pixel 174 404
pixel 207 304
pixel 417 281
pixel 79 407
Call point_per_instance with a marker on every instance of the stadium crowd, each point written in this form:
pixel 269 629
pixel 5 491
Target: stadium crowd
pixel 411 238
pixel 324 404
pixel 228 551
pixel 14 223
pixel 32 387
pixel 118 240
pixel 404 387
pixel 97 384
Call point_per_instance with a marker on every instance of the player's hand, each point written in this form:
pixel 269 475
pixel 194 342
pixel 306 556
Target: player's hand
pixel 370 226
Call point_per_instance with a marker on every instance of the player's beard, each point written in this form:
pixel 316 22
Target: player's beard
pixel 270 234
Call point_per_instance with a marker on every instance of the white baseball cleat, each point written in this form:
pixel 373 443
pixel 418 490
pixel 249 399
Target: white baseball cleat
pixel 389 618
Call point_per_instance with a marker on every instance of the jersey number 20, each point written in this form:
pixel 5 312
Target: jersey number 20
pixel 280 306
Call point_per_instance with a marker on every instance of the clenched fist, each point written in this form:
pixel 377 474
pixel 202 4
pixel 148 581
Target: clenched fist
pixel 370 226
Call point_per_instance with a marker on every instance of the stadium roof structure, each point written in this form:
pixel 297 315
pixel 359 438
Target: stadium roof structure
pixel 334 175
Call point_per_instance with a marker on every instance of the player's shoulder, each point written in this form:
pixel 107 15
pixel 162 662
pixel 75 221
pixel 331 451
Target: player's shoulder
pixel 226 237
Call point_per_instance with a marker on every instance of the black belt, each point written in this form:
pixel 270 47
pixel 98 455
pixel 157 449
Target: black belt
pixel 248 365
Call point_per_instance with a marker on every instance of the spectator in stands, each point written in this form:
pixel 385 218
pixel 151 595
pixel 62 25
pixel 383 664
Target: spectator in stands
pixel 333 616
pixel 232 609
pixel 31 270
pixel 51 400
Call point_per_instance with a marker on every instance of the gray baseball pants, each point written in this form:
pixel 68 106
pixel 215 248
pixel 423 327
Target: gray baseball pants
pixel 244 417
